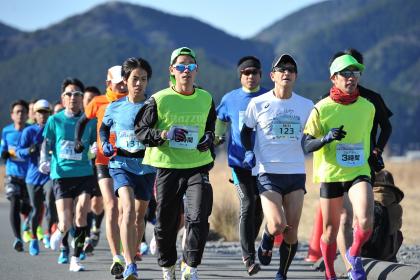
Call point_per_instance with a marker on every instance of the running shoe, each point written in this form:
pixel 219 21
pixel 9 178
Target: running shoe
pixel 189 273
pixel 168 273
pixel 88 247
pixel 280 276
pixel 75 265
pixel 137 257
pixel 82 256
pixel 144 248
pixel 34 247
pixel 94 236
pixel 117 267
pixel 64 255
pixel 265 250
pixel 18 245
pixel 130 272
pixel 39 233
pixel 26 236
pixel 56 239
pixel 251 267
pixel 357 272
pixel 153 246
pixel 46 241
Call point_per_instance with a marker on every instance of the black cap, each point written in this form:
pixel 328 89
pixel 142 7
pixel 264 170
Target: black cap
pixel 246 62
pixel 284 58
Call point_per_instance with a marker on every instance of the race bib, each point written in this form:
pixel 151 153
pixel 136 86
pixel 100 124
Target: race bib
pixel 67 151
pixel 127 140
pixel 286 128
pixel 191 140
pixel 350 155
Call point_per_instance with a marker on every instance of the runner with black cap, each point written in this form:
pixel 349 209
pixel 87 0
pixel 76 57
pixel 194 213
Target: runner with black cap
pixel 278 118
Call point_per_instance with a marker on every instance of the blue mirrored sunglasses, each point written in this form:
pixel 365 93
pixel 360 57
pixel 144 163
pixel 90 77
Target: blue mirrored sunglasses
pixel 182 67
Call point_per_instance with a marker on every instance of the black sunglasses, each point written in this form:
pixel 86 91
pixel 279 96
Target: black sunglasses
pixel 282 69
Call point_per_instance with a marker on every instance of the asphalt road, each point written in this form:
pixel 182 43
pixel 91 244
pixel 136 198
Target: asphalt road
pixel 221 261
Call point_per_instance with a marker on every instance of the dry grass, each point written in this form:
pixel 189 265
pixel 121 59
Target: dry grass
pixel 224 218
pixel 226 201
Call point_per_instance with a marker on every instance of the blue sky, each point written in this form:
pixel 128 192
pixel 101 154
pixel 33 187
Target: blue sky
pixel 242 18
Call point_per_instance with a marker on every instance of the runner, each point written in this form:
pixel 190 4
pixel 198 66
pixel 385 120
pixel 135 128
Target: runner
pixel 28 149
pixel 16 169
pixel 96 110
pixel 133 181
pixel 338 132
pixel 65 164
pixel 96 213
pixel 376 163
pixel 177 127
pixel 231 110
pixel 278 118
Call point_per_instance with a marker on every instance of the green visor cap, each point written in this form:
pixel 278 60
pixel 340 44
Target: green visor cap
pixel 344 61
pixel 178 52
pixel 182 51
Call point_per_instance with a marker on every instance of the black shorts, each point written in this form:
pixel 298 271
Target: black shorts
pixel 15 186
pixel 102 171
pixel 281 183
pixel 337 189
pixel 72 187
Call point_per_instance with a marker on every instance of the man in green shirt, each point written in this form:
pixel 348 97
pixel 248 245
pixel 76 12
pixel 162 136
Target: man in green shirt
pixel 177 126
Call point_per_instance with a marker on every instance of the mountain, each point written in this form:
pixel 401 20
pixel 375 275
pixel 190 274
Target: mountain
pixel 387 32
pixel 33 64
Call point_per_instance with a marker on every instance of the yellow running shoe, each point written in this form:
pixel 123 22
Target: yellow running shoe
pixel 39 233
pixel 26 236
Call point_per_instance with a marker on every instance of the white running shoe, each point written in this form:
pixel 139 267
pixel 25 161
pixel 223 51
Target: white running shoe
pixel 56 239
pixel 153 246
pixel 75 265
pixel 168 273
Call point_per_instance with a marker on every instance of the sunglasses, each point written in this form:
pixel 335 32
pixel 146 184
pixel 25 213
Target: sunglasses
pixel 347 74
pixel 282 69
pixel 182 67
pixel 73 93
pixel 248 72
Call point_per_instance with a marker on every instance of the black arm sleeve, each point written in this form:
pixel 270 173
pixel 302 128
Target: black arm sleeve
pixel 246 137
pixel 144 125
pixel 104 133
pixel 384 123
pixel 80 127
pixel 211 119
pixel 311 144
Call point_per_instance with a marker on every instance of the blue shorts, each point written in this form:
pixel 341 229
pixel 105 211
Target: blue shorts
pixel 142 184
pixel 281 183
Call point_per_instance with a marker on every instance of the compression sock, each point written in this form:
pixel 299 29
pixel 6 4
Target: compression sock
pixel 287 253
pixel 79 240
pixel 360 236
pixel 328 253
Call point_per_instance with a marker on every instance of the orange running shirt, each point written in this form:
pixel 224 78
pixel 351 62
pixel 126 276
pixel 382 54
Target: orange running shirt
pixel 96 109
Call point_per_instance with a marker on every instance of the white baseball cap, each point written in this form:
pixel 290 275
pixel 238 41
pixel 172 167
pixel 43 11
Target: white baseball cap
pixel 114 74
pixel 42 104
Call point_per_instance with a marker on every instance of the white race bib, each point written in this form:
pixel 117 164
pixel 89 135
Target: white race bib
pixel 127 140
pixel 286 128
pixel 67 151
pixel 350 155
pixel 191 140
